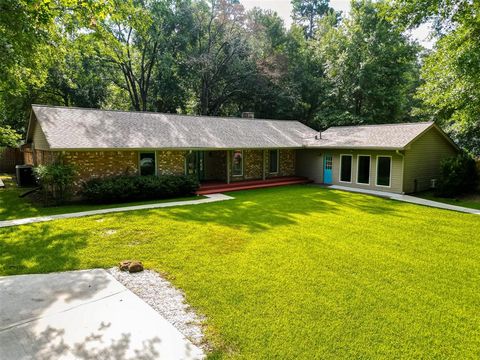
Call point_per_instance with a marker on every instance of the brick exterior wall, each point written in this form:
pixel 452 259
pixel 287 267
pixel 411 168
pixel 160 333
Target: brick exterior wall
pixel 253 167
pixel 287 162
pixel 171 162
pixel 94 164
pixel 253 164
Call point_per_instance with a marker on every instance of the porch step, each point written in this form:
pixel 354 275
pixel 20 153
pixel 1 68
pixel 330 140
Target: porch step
pixel 248 185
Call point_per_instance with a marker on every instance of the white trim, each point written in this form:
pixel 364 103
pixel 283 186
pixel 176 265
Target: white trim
pixel 369 170
pixel 376 171
pixel 278 161
pixel 155 159
pixel 340 169
pixel 243 162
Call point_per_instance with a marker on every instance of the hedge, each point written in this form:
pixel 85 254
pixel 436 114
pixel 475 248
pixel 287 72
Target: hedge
pixel 138 188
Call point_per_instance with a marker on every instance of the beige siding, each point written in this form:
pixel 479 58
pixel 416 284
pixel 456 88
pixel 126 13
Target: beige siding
pixel 39 139
pixel 422 160
pixel 309 163
pixel 396 170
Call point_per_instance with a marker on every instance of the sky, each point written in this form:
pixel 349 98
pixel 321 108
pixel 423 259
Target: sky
pixel 284 8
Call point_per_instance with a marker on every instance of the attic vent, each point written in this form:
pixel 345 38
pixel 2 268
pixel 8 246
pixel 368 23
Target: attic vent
pixel 248 115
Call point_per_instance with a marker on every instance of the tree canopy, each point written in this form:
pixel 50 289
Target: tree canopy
pixel 213 57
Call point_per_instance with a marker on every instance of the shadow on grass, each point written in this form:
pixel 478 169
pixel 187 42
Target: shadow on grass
pixel 260 210
pixel 39 249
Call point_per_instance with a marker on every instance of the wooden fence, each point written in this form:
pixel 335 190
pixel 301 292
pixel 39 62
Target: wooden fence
pixel 9 157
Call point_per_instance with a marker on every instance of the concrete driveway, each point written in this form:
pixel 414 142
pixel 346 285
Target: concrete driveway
pixel 83 315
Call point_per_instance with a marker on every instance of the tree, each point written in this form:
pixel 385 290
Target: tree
pixel 221 56
pixel 451 72
pixel 306 13
pixel 371 69
pixel 133 40
pixel 9 137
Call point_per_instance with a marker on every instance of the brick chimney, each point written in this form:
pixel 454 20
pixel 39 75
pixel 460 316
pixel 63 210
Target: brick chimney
pixel 248 115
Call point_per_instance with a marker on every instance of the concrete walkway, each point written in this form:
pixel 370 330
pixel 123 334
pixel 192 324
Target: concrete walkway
pixel 408 199
pixel 83 315
pixel 209 199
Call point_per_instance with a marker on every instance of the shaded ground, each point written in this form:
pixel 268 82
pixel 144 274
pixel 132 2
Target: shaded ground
pixel 14 207
pixel 470 200
pixel 292 272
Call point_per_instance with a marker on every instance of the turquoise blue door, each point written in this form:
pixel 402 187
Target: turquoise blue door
pixel 327 168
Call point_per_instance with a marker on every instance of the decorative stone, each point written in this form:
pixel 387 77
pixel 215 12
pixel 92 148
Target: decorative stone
pixel 123 265
pixel 135 266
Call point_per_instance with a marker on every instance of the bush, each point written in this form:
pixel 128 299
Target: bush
pixel 55 180
pixel 137 188
pixel 458 176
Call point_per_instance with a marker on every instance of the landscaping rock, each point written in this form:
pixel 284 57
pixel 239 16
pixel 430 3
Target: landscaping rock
pixel 123 265
pixel 135 266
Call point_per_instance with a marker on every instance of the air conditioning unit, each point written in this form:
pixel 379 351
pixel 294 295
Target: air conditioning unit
pixel 25 175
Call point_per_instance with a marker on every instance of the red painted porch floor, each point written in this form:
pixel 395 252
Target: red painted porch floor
pixel 212 187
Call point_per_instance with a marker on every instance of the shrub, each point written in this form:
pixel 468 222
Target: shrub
pixel 458 176
pixel 136 188
pixel 55 180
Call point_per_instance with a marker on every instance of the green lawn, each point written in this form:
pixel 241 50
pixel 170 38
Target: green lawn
pixel 295 272
pixel 470 201
pixel 14 207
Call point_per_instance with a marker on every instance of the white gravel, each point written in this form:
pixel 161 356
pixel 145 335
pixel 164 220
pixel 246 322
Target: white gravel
pixel 164 298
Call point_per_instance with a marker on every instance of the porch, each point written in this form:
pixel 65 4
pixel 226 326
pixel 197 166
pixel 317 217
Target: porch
pixel 246 166
pixel 212 187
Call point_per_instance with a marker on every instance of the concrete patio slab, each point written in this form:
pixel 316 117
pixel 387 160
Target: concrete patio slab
pixel 83 315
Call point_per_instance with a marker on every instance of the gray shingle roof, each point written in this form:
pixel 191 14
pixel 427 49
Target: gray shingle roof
pixel 76 128
pixel 387 136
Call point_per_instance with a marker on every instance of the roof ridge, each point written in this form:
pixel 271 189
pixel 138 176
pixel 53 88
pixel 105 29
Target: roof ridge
pixel 388 124
pixel 160 113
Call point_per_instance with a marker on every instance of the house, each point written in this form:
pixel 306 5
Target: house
pixel 401 158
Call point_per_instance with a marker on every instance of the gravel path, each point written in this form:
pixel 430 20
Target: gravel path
pixel 164 298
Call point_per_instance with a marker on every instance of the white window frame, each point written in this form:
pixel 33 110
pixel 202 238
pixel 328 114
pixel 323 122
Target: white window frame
pixel 243 162
pixel 340 170
pixel 278 161
pixel 139 159
pixel 369 169
pixel 376 171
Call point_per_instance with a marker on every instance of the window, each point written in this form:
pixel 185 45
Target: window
pixel 384 170
pixel 363 169
pixel 237 163
pixel 147 164
pixel 273 161
pixel 346 168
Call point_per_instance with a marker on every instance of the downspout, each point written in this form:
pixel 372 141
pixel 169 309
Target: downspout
pixel 403 168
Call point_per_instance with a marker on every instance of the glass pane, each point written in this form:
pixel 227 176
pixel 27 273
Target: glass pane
pixel 328 162
pixel 383 171
pixel 237 163
pixel 273 157
pixel 346 168
pixel 363 170
pixel 147 164
pixel 191 167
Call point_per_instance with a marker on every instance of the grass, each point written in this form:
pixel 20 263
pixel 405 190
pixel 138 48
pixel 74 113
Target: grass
pixel 296 272
pixel 469 201
pixel 14 207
